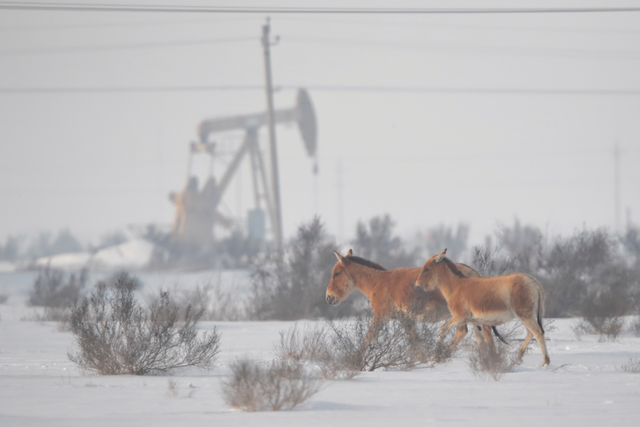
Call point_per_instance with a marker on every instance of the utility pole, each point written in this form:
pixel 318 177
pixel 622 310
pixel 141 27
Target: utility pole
pixel 616 195
pixel 273 149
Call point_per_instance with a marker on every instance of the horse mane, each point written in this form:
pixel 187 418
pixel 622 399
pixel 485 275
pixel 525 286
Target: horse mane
pixel 454 269
pixel 366 262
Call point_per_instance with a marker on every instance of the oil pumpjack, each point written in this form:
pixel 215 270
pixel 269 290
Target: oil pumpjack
pixel 196 209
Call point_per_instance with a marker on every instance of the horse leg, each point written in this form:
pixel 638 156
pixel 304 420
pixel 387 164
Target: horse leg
pixel 488 339
pixel 461 332
pixel 532 326
pixel 444 329
pixel 374 330
pixel 525 344
pixel 476 332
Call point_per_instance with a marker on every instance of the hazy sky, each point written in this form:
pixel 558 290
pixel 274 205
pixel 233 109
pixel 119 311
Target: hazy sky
pixel 99 162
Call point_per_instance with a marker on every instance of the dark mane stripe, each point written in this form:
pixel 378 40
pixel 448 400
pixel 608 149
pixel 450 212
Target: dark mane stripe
pixel 453 268
pixel 365 262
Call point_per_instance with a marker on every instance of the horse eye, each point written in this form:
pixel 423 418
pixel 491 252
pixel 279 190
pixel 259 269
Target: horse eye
pixel 336 274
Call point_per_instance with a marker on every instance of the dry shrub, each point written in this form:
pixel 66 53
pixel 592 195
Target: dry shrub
pixel 635 326
pixel 310 344
pixel 116 335
pixel 291 284
pixel 53 288
pixel 376 240
pixel 572 269
pixel 603 315
pixel 350 350
pixel 341 351
pixel 280 385
pixel 487 363
pixel 491 262
pixel 632 366
pixel 172 390
pixel 51 314
pixel 211 298
pixel 56 292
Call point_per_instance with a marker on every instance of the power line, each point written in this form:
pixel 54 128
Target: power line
pixel 138 24
pixel 491 50
pixel 84 7
pixel 432 25
pixel 128 89
pixel 371 44
pixel 325 88
pixel 470 90
pixel 38 51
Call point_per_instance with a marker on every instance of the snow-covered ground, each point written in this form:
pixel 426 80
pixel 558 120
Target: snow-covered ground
pixel 131 255
pixel 39 386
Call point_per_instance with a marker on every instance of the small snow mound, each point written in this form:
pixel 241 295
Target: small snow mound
pixel 132 254
pixel 7 267
pixel 70 261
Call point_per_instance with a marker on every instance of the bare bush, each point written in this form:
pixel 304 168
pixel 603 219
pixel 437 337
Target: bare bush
pixel 291 285
pixel 490 262
pixel 573 270
pixel 630 241
pixel 11 250
pixel 635 326
pixel 281 385
pixel 444 236
pixel 491 363
pixel 49 314
pixel 340 349
pixel 116 335
pixel 376 241
pixel 56 292
pixel 577 268
pixel 602 315
pixel 172 386
pixel 211 298
pixel 632 366
pixel 308 344
pixel 54 288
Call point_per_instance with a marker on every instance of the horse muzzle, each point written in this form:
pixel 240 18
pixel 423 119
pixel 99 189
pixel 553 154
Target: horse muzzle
pixel 331 300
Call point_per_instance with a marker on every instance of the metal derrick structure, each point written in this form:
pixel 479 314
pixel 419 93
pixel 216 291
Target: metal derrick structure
pixel 197 210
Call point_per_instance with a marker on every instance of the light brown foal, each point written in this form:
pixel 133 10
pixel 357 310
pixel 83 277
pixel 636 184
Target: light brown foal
pixel 487 300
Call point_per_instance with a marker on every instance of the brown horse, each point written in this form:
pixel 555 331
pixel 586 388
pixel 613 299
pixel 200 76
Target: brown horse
pixel 486 300
pixel 392 295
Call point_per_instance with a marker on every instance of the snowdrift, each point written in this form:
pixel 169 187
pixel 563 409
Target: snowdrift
pixel 132 255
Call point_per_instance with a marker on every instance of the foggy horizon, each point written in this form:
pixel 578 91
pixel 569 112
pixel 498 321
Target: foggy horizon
pixel 432 119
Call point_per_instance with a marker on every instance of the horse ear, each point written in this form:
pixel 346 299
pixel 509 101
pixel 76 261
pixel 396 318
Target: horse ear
pixel 342 260
pixel 441 255
pixel 350 253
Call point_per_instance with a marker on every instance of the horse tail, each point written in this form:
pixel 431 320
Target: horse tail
pixel 497 334
pixel 540 304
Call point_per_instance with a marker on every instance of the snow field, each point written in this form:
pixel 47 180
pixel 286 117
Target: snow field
pixel 584 385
